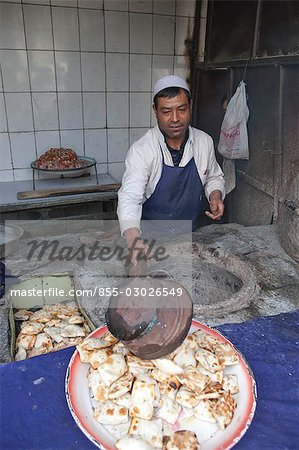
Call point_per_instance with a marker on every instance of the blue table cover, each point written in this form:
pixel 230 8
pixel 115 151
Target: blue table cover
pixel 35 415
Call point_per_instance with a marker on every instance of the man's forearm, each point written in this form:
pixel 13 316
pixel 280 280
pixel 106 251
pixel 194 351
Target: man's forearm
pixel 131 234
pixel 215 195
pixel 216 205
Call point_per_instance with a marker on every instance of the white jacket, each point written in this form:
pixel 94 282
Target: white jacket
pixel 144 167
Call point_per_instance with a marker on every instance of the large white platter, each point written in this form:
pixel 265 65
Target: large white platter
pixel 209 436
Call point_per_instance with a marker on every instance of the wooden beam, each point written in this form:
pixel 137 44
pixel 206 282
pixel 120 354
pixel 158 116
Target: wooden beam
pixel 44 193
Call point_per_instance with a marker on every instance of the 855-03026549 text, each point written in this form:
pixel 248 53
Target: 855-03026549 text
pixel 141 291
pixel 102 292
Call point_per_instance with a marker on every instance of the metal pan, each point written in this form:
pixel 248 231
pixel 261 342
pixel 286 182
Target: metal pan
pixel 89 162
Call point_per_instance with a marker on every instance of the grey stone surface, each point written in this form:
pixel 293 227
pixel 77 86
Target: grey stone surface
pixel 276 273
pixel 4 335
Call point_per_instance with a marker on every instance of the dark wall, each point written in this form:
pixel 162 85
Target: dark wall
pixel 257 42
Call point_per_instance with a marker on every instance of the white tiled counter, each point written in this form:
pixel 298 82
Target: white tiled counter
pixel 80 204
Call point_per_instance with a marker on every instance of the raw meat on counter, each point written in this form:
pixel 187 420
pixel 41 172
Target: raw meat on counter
pixel 59 159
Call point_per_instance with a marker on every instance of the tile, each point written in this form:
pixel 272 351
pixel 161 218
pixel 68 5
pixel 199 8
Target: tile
pixel 162 66
pixel 22 149
pixel 6 175
pixel 46 140
pixel 45 111
pixel 3 123
pixel 38 27
pixel 5 159
pixel 94 106
pixel 153 119
pixel 11 26
pixel 116 5
pixel 68 71
pixel 22 174
pixel 95 4
pixel 14 70
pixel 38 2
pixel 164 7
pixel 73 139
pixel 91 30
pixel 116 170
pixel 117 110
pixel 183 32
pixel 136 134
pixel 118 144
pixel 70 111
pixel 70 3
pixel 140 105
pixel 140 33
pixel 143 6
pixel 65 28
pixel 117 72
pixel 163 33
pixel 96 145
pixel 93 71
pixel 140 72
pixel 185 8
pixel 19 112
pixel 180 67
pixel 41 70
pixel 117 32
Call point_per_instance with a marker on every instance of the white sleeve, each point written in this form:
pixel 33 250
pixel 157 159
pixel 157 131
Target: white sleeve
pixel 131 193
pixel 215 178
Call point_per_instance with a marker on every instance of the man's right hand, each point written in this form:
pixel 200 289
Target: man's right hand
pixel 135 244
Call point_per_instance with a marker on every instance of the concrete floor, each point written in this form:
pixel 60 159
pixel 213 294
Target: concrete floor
pixel 276 274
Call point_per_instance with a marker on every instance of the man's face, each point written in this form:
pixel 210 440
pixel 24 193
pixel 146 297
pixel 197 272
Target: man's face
pixel 173 115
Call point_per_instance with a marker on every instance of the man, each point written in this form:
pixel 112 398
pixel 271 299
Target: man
pixel 169 168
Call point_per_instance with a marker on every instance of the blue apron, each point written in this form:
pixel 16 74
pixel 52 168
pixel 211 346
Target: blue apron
pixel 177 196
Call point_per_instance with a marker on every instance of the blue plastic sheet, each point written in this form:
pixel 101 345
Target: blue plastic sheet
pixel 35 415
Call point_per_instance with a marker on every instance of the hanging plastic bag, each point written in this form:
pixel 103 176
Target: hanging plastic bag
pixel 233 143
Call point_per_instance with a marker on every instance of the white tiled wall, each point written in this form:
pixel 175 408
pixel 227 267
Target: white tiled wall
pixel 79 74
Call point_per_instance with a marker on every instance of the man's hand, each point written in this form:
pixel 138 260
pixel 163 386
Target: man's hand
pixel 135 244
pixel 216 206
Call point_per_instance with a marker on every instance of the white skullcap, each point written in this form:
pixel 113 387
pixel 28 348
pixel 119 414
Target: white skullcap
pixel 170 81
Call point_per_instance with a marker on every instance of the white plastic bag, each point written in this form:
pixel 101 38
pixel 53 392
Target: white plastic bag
pixel 233 143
